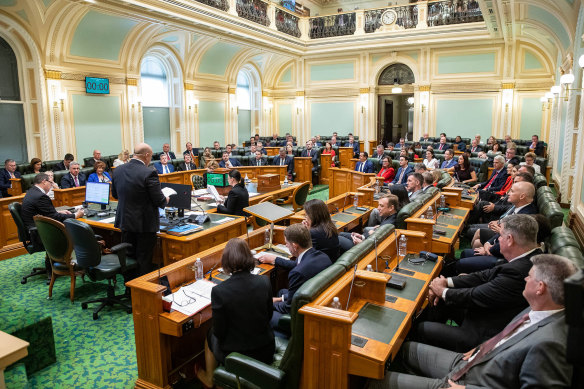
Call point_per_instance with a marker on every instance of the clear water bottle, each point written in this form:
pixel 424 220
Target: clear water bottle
pixel 376 186
pixel 246 178
pixel 267 236
pixel 336 304
pixel 442 201
pixel 369 268
pixel 199 273
pixel 356 200
pixel 286 180
pixel 402 246
pixel 430 213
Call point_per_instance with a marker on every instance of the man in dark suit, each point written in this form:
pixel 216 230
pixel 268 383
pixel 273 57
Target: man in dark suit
pixel 274 142
pixel 228 162
pixel 529 352
pixel 442 145
pixel 309 262
pixel 537 146
pixel 510 156
pixel 364 165
pixel 481 303
pixel 379 154
pixel 187 164
pixel 163 167
pixel 64 164
pixel 166 151
pixel 385 213
pixel 137 189
pixel 260 148
pixel 191 151
pixel 6 174
pixel 97 157
pixel 414 185
pixel 312 153
pixel 36 202
pixel 354 145
pixel 475 146
pixel 497 179
pixel 258 160
pixel 283 159
pixel 75 178
pixel 403 172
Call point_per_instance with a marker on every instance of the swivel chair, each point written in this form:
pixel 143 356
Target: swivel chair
pixel 30 241
pixel 100 267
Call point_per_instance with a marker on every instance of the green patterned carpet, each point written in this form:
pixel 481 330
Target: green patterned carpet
pixel 90 354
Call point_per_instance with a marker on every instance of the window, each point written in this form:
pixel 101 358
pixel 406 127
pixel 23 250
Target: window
pixel 154 83
pixel 242 92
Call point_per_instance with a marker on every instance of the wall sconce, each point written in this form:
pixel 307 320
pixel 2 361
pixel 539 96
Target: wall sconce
pixel 544 101
pixel 139 101
pixel 556 90
pixel 195 103
pixel 507 98
pixel 581 61
pixel 299 104
pixel 268 106
pixel 60 102
pixel 363 102
pixel 566 80
pixel 424 99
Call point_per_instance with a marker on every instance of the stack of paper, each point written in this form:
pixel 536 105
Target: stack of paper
pixel 192 298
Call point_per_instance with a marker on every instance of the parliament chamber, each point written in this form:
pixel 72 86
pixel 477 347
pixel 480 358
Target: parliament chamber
pixel 379 111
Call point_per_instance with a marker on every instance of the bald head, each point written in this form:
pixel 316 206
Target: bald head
pixel 143 152
pixel 521 193
pixel 527 188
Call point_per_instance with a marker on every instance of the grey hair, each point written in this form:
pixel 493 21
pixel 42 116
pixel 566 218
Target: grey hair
pixel 523 228
pixel 499 158
pixel 552 270
pixel 73 163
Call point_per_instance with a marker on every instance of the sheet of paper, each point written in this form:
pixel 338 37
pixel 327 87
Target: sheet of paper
pixel 201 288
pixel 253 194
pixel 168 191
pixel 200 192
pixel 187 304
pixel 211 204
pixel 213 191
pixel 283 247
pixel 224 220
pixel 108 220
pixel 256 271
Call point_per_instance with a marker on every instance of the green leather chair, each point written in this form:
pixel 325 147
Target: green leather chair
pixel 445 180
pixel 100 267
pixel 59 249
pixel 539 181
pixel 243 372
pixel 563 242
pixel 26 181
pixel 352 256
pixel 405 212
pixel 29 239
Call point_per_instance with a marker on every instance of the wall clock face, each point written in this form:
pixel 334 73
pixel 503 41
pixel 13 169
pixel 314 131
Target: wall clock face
pixel 388 17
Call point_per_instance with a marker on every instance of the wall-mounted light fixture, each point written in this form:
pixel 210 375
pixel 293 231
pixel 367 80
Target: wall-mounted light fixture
pixel 299 103
pixel 544 102
pixel 424 99
pixel 139 101
pixel 396 88
pixel 363 102
pixel 195 103
pixel 61 102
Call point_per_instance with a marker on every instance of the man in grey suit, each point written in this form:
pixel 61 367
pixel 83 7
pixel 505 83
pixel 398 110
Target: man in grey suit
pixel 529 352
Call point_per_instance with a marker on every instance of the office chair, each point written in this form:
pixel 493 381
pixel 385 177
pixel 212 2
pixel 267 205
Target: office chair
pixel 59 249
pixel 100 266
pixel 30 241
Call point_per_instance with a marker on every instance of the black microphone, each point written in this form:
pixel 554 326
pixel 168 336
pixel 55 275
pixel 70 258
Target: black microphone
pixel 345 202
pixel 375 241
pixel 397 250
pixel 200 219
pixel 210 272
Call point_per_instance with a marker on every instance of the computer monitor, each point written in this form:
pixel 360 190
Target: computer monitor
pixel 97 193
pixel 182 198
pixel 218 179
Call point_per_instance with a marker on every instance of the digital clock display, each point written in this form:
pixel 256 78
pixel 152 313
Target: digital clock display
pixel 97 85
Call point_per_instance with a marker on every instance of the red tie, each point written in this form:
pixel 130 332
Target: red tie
pixel 492 179
pixel 441 145
pixel 489 345
pixel 76 181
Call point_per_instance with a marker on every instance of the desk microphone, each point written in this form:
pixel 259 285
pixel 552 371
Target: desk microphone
pixel 200 219
pixel 396 250
pixel 375 241
pixel 351 288
pixel 345 202
pixel 210 272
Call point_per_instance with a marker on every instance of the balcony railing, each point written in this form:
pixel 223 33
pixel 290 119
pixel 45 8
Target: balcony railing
pixel 453 12
pixel 407 17
pixel 332 25
pixel 254 10
pixel 223 5
pixel 420 15
pixel 287 23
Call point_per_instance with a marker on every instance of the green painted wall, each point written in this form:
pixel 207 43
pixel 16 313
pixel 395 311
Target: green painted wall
pixel 243 126
pixel 100 36
pixel 468 63
pixel 156 121
pixel 531 62
pixel 98 125
pixel 337 71
pixel 217 58
pixel 325 118
pixel 530 118
pixel 211 123
pixel 284 119
pixel 465 117
pixel 549 20
pixel 287 75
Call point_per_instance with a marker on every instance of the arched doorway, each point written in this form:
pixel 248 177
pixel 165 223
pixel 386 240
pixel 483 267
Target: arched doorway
pixel 395 108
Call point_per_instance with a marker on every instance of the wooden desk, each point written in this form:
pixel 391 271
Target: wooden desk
pixel 346 180
pixel 462 196
pixel 329 332
pixel 174 248
pixel 343 213
pixel 69 197
pixel 254 171
pixel 272 150
pixel 166 342
pixel 12 350
pixel 303 168
pixel 10 246
pixel 325 166
pixel 345 156
pixel 16 187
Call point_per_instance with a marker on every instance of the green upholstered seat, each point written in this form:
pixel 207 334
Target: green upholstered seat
pixel 445 180
pixel 26 181
pixel 563 242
